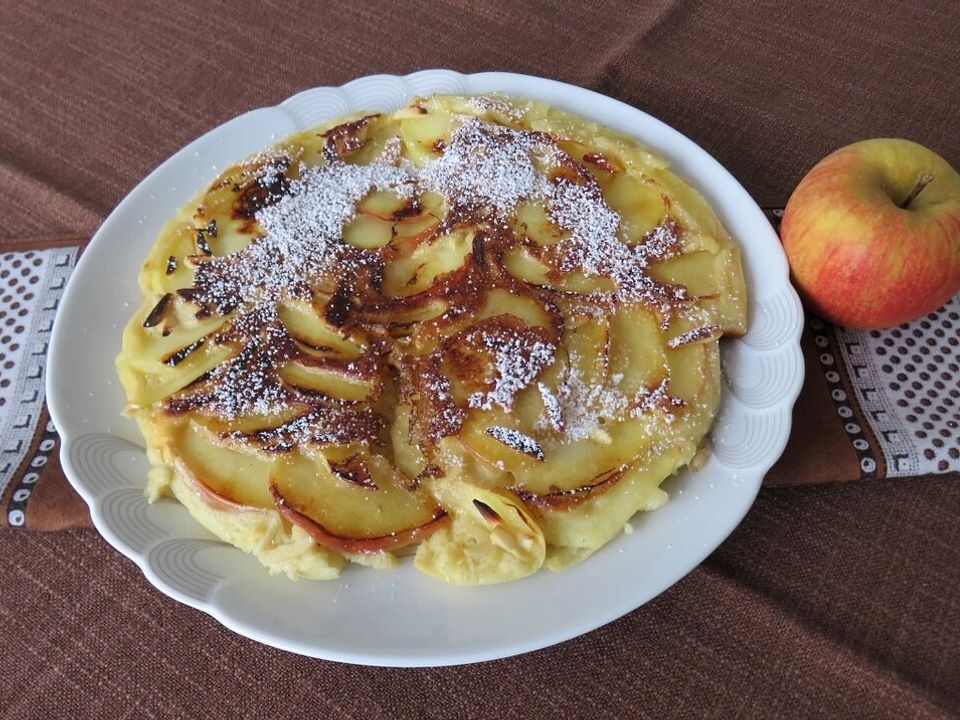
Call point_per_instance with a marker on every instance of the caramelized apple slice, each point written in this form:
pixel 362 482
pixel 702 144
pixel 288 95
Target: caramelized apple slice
pixel 253 529
pixel 404 321
pixel 587 342
pixel 415 273
pixel 362 509
pixel 421 225
pixel 533 222
pixel 408 458
pixel 520 263
pixel 501 444
pixel 492 538
pixel 688 205
pixel 531 311
pixel 697 271
pixel 565 464
pixel 695 374
pixel 414 230
pixel 636 351
pixel 729 307
pixel 694 241
pixel 248 425
pixel 328 381
pixel 572 464
pixel 530 408
pixel 424 134
pixel 209 231
pixel 157 274
pixel 626 151
pixel 232 235
pixel 368 232
pixel 524 307
pixel 694 379
pixel 639 203
pixel 164 326
pixel 148 380
pixel 388 206
pixel 306 324
pixel 225 478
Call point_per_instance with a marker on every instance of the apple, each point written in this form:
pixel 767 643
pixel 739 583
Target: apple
pixel 872 233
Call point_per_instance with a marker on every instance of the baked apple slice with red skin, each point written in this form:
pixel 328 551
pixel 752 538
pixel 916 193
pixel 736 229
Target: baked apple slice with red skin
pixel 358 546
pixel 211 497
pixel 222 477
pixel 366 509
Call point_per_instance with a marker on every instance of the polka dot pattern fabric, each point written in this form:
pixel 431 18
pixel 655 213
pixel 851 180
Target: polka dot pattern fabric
pixel 31 284
pixel 907 381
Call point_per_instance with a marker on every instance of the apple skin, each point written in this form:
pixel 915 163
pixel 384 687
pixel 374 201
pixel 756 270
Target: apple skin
pixel 857 257
pixel 320 534
pixel 354 546
pixel 207 494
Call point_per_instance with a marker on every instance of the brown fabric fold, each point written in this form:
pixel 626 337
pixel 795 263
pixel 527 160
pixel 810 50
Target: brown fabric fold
pixel 818 449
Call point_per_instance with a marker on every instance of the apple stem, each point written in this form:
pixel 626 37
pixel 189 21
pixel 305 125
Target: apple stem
pixel 924 180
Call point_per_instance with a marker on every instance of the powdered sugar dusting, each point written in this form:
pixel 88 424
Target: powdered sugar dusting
pixel 487 164
pixel 301 212
pixel 307 224
pixel 327 425
pixel 493 103
pixel 248 384
pixel 269 165
pixel 484 164
pixel 579 409
pixel 553 418
pixel 491 165
pixel 585 406
pixel 302 239
pixel 392 151
pixel 518 359
pixel 516 440
pixel 593 246
pixel 302 235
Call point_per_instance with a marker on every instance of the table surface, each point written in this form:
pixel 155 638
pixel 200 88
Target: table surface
pixel 836 600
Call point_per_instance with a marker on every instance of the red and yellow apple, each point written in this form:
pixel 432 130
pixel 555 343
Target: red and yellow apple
pixel 872 233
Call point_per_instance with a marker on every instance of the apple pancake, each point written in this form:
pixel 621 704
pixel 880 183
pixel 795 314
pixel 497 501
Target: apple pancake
pixel 477 329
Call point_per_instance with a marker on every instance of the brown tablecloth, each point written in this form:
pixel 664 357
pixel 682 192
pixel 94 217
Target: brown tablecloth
pixel 829 600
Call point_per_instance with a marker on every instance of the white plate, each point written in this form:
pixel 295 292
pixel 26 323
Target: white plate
pixel 400 617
